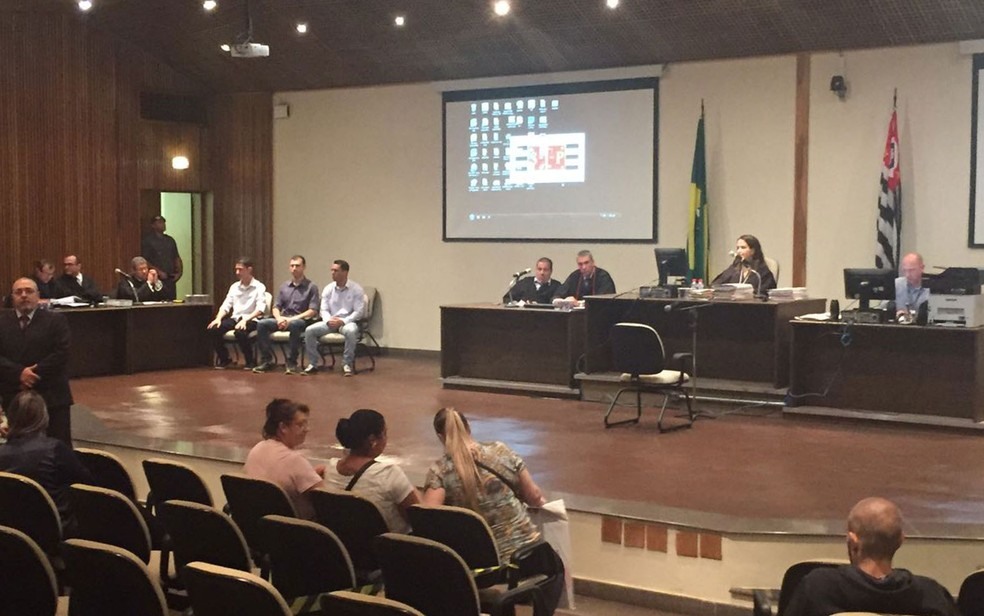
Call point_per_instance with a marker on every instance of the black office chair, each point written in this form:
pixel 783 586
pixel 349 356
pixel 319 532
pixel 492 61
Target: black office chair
pixel 638 353
pixel 763 604
pixel 970 600
pixel 27 581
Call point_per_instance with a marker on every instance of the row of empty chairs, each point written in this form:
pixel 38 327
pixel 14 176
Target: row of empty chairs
pixel 347 549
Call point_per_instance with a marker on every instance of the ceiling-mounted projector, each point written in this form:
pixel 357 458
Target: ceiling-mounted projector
pixel 249 50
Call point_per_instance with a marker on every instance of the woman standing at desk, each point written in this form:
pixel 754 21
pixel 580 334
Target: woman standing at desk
pixel 748 267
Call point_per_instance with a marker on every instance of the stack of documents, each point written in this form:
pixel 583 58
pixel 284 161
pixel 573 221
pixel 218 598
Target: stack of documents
pixel 734 291
pixel 787 293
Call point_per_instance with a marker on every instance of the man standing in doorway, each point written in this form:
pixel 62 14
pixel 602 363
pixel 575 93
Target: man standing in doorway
pixel 161 252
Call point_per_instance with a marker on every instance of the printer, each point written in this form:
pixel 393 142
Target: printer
pixel 955 298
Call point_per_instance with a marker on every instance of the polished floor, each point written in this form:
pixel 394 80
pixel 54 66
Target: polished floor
pixel 745 471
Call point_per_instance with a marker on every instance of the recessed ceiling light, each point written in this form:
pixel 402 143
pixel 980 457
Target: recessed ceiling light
pixel 301 27
pixel 501 7
pixel 209 5
pixel 400 20
pixel 611 3
pixel 225 47
pixel 85 5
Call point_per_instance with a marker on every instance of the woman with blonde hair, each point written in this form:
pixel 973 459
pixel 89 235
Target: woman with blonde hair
pixel 493 481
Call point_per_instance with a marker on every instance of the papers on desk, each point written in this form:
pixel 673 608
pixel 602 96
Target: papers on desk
pixel 734 291
pixel 788 293
pixel 815 316
pixel 68 302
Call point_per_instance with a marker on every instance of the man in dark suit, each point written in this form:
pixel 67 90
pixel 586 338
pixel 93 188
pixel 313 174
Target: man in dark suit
pixel 74 282
pixel 142 284
pixel 540 288
pixel 44 278
pixel 34 355
pixel 587 279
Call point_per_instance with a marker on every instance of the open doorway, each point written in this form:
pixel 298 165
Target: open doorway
pixel 186 223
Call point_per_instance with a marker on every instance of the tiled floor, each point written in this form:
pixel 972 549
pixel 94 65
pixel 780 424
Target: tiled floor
pixel 738 472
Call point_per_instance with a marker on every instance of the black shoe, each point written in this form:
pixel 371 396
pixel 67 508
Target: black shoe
pixel 249 367
pixel 263 367
pixel 222 364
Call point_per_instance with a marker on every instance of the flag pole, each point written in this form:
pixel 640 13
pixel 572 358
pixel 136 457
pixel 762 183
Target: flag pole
pixel 895 98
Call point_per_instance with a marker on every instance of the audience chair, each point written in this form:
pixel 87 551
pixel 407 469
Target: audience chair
pixel 347 603
pixel 762 604
pixel 107 471
pixel 970 599
pixel 169 480
pixel 432 578
pixel 469 535
pixel 638 353
pixel 202 533
pixel 306 558
pixel 357 522
pixel 229 338
pixel 109 517
pixel 249 500
pixel 109 581
pixel 27 582
pixel 221 591
pixel 335 341
pixel 25 505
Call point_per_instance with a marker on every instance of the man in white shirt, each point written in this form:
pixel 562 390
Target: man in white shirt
pixel 909 292
pixel 244 303
pixel 343 303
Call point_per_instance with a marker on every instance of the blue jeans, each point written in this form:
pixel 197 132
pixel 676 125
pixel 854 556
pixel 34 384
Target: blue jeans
pixel 265 327
pixel 319 329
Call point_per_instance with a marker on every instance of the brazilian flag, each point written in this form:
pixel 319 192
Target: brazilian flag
pixel 697 235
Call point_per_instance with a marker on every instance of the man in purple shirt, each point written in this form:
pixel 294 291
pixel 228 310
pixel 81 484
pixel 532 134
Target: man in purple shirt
pixel 295 308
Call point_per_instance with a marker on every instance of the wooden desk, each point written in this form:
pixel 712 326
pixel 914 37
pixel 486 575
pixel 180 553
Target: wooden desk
pixel 908 369
pixel 531 345
pixel 115 340
pixel 736 340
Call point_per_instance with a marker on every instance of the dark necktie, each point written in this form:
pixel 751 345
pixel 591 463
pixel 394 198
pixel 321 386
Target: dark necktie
pixel 24 321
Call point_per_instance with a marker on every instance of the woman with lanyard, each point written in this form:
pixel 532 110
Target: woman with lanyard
pixel 363 435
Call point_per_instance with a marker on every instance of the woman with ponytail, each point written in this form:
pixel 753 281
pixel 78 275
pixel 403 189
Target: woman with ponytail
pixel 493 481
pixel 364 437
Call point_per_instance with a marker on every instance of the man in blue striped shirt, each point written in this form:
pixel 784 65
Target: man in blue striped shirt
pixel 342 305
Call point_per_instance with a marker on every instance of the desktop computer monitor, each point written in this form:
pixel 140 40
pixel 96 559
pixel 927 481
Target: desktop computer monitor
pixel 868 284
pixel 671 262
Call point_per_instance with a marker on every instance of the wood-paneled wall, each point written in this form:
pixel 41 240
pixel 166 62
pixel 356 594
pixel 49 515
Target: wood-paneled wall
pixel 75 155
pixel 240 174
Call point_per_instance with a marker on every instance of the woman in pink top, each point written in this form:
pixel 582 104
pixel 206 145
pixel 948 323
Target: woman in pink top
pixel 276 458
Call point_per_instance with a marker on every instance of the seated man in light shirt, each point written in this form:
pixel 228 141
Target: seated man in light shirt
pixel 295 308
pixel 343 303
pixel 909 292
pixel 244 303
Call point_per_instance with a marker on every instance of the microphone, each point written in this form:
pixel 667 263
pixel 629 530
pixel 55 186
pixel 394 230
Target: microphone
pixel 523 272
pixel 732 253
pixel 123 274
